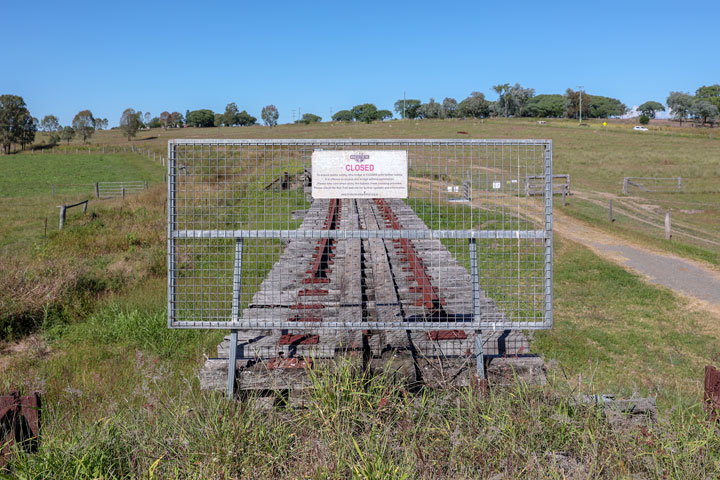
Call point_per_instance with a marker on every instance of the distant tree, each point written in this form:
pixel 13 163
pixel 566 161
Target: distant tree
pixel 50 123
pixel 474 106
pixel 67 134
pixel 155 122
pixel 165 119
pixel 367 112
pixel 244 119
pixel 572 103
pixel 200 118
pixel 432 109
pixel 679 104
pixel 649 108
pixel 309 118
pixel 604 107
pixel 518 99
pixel 383 114
pixel 449 106
pixel 709 93
pixel 218 119
pixel 407 108
pixel 104 123
pixel 130 123
pixel 503 101
pixel 344 116
pixel 84 124
pixel 147 117
pixel 26 135
pixel 644 119
pixel 270 115
pixel 230 117
pixel 98 123
pixel 549 106
pixel 176 120
pixel 703 111
pixel 13 120
pixel 54 138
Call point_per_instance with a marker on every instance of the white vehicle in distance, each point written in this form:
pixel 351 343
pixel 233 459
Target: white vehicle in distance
pixel 638 128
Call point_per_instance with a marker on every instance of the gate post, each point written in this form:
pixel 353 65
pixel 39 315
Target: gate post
pixel 235 316
pixel 479 357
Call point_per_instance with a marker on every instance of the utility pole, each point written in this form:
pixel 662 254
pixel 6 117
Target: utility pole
pixel 580 92
pixel 293 115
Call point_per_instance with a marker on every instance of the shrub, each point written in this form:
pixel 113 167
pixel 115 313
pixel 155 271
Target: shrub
pixel 644 119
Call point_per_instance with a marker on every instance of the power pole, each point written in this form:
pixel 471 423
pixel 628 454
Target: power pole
pixel 293 115
pixel 580 92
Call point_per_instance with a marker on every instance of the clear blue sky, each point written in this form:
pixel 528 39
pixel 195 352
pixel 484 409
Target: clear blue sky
pixel 63 57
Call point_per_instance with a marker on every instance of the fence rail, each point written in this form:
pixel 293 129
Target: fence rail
pixel 119 189
pixel 64 208
pixel 652 185
pixel 535 184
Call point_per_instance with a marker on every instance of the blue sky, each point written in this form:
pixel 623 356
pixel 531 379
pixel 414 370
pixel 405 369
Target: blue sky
pixel 64 57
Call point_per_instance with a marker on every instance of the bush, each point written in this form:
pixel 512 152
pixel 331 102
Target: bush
pixel 644 119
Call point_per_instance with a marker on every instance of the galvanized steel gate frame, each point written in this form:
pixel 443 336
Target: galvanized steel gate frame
pixel 545 234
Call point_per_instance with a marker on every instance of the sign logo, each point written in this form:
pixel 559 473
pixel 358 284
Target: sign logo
pixel 360 157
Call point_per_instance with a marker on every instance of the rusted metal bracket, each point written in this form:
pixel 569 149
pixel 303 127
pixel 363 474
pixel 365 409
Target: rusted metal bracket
pixel 19 422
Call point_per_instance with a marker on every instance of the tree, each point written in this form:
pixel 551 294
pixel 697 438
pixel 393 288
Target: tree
pixel 130 122
pixel 13 120
pixel 218 120
pixel 176 119
pixel 644 119
pixel 309 118
pixel 518 99
pixel 367 112
pixel 432 109
pixel 709 93
pixel 344 116
pixel 270 115
pixel 26 134
pixel 230 117
pixel 155 122
pixel 200 118
pixel 84 124
pixel 146 119
pixel 503 100
pixel 604 107
pixel 384 114
pixel 50 123
pixel 104 123
pixel 67 134
pixel 245 119
pixel 649 108
pixel 679 104
pixel 572 103
pixel 474 106
pixel 549 106
pixel 407 108
pixel 703 111
pixel 449 106
pixel 165 119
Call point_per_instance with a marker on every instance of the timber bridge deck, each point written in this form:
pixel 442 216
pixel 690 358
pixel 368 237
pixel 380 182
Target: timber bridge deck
pixel 370 279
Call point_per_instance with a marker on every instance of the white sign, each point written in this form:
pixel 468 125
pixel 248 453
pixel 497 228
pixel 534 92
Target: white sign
pixel 359 174
pixel 496 185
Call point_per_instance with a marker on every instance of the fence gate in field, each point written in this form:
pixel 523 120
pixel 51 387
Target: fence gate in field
pixel 119 189
pixel 344 235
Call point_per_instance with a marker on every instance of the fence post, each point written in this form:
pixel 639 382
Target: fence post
pixel 565 191
pixel 53 189
pixel 610 213
pixel 667 226
pixel 97 189
pixel 62 216
pixel 146 184
pixel 680 189
pixel 625 186
pixel 122 192
pixel 85 207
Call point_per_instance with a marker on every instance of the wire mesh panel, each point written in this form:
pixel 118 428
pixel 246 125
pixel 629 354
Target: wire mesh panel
pixel 256 240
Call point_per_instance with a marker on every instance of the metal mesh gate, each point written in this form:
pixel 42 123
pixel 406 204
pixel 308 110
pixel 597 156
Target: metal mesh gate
pixel 465 248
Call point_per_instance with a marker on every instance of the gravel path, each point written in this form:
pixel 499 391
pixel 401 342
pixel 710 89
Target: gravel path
pixel 681 275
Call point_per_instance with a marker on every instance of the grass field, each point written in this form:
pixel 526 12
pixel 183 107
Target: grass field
pixel 121 398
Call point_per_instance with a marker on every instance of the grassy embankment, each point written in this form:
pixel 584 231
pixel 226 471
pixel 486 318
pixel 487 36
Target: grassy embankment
pixel 121 398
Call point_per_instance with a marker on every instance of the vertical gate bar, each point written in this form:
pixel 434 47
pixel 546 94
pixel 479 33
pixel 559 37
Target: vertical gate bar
pixel 548 237
pixel 171 227
pixel 479 357
pixel 235 315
